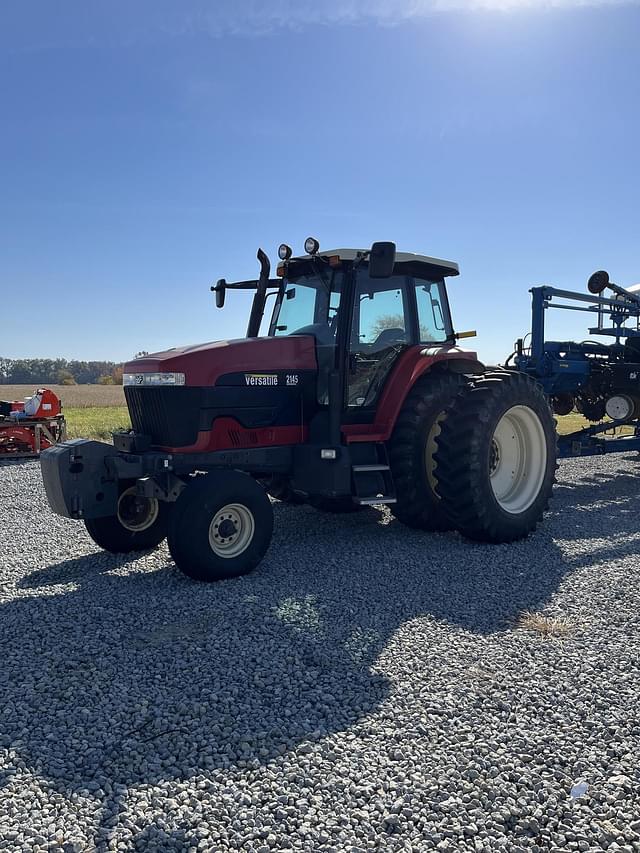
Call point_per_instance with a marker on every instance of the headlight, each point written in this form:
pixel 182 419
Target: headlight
pixel 143 379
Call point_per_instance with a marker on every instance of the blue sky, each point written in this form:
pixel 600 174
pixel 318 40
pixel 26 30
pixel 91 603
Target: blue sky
pixel 148 148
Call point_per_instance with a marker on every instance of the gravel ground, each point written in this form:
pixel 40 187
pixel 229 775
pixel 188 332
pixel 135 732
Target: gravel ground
pixel 368 688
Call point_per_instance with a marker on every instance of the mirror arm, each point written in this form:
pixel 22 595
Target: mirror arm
pixel 361 258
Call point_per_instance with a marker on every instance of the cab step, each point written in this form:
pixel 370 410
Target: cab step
pixel 383 499
pixel 371 479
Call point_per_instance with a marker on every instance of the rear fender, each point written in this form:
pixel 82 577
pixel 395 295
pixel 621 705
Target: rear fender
pixel 413 364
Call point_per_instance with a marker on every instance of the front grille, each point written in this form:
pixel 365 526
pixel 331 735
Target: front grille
pixel 171 416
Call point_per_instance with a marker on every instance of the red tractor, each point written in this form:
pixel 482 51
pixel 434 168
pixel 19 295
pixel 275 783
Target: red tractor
pixel 357 395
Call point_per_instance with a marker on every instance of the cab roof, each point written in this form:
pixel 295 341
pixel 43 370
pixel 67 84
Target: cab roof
pixel 406 262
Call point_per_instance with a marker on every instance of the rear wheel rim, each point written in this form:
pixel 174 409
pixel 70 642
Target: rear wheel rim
pixel 137 513
pixel 517 459
pixel 231 530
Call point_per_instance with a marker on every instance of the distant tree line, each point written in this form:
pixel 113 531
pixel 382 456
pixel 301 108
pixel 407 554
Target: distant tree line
pixel 58 371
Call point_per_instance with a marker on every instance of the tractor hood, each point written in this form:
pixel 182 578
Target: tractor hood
pixel 204 364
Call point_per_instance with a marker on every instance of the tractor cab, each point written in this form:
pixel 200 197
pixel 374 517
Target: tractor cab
pixel 368 318
pixel 362 307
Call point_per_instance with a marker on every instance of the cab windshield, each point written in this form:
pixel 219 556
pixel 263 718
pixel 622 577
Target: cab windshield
pixel 309 306
pixel 383 309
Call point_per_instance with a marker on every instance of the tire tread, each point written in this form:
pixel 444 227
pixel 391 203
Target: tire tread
pixel 461 445
pixel 417 506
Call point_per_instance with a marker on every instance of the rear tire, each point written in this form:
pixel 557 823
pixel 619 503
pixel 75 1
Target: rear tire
pixel 139 523
pixel 496 457
pixel 220 527
pixel 411 450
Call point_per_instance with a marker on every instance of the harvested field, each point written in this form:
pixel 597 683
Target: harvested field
pixel 72 396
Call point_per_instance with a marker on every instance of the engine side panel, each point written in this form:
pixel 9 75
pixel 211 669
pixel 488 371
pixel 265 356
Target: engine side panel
pixel 253 391
pixel 249 409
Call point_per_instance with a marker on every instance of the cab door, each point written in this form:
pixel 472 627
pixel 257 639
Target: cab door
pixel 382 327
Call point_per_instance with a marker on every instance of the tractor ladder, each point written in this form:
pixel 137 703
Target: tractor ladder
pixel 371 476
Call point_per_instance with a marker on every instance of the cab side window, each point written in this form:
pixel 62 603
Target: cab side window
pixel 431 312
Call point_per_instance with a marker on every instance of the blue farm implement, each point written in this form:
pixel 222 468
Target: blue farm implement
pixel 600 380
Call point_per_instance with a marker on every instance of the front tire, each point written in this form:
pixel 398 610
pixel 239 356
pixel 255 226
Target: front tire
pixel 138 525
pixel 496 458
pixel 220 527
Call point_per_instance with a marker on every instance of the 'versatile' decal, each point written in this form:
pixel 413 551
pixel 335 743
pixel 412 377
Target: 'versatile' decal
pixel 261 378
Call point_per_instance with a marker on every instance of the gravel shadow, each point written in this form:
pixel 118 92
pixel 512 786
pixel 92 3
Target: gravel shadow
pixel 120 671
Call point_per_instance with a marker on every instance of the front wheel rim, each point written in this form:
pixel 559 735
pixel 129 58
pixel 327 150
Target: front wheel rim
pixel 231 530
pixel 137 513
pixel 517 459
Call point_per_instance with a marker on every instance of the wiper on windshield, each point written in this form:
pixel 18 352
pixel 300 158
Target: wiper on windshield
pixel 321 273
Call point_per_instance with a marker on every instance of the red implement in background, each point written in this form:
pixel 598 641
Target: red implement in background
pixel 32 425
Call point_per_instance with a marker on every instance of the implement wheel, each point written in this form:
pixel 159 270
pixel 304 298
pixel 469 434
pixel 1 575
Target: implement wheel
pixel 412 447
pixel 220 527
pixel 138 525
pixel 496 457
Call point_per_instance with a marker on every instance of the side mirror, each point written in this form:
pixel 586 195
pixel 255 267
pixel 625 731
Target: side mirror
pixel 220 290
pixel 598 282
pixel 382 259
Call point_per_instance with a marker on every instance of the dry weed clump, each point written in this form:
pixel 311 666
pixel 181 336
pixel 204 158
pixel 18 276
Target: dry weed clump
pixel 547 626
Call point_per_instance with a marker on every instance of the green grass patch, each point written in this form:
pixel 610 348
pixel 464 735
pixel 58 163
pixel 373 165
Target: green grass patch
pixel 96 422
pixel 571 423
pixel 575 421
